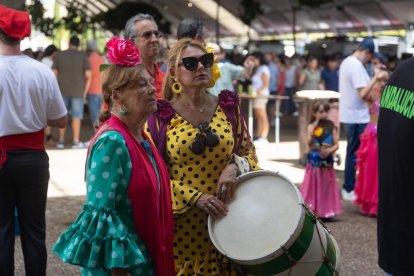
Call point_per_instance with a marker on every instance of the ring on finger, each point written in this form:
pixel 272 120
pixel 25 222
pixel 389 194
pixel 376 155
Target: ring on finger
pixel 223 188
pixel 209 205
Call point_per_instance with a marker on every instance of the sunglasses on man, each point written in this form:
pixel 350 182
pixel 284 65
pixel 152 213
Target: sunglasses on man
pixel 149 34
pixel 205 137
pixel 191 63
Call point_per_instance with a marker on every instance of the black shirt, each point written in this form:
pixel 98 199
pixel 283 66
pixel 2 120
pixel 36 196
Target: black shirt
pixel 396 172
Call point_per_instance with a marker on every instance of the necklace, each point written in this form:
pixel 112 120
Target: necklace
pixel 199 108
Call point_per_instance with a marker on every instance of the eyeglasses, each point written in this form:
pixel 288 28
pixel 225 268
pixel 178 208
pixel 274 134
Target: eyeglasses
pixel 148 34
pixel 205 137
pixel 191 63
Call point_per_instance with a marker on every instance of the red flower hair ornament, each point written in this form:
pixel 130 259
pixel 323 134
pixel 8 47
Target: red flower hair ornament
pixel 123 52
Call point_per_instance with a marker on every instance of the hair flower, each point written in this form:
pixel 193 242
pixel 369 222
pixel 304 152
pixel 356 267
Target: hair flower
pixel 123 52
pixel 215 71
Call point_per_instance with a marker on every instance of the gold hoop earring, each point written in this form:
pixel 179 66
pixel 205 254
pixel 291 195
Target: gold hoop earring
pixel 211 83
pixel 177 87
pixel 122 110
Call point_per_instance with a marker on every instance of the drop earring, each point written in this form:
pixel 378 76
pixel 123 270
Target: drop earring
pixel 122 110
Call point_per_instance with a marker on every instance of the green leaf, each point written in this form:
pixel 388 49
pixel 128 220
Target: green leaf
pixel 103 67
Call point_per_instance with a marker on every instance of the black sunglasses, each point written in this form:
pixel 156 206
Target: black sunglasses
pixel 191 63
pixel 148 34
pixel 205 137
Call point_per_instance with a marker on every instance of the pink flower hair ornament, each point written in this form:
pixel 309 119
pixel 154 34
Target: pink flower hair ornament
pixel 123 52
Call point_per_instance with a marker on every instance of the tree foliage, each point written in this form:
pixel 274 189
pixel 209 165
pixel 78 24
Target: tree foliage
pixel 45 25
pixel 115 19
pixel 77 20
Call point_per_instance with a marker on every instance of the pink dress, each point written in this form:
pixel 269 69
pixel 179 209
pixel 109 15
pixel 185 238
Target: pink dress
pixel 320 189
pixel 366 185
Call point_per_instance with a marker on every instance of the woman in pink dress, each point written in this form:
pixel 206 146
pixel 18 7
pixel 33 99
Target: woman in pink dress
pixel 366 185
pixel 320 189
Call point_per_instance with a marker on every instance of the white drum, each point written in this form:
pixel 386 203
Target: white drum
pixel 269 231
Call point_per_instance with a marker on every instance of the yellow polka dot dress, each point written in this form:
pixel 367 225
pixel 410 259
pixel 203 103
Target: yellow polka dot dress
pixel 191 176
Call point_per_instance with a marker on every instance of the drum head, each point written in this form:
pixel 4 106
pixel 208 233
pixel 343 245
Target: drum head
pixel 263 217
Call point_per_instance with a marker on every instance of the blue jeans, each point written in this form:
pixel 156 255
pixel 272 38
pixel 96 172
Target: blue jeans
pixel 94 105
pixel 289 105
pixel 74 105
pixel 352 131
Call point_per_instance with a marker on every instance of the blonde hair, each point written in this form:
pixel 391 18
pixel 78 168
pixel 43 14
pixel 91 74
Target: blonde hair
pixel 117 77
pixel 173 59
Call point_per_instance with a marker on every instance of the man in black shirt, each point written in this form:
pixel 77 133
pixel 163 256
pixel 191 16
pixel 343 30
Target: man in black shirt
pixel 396 172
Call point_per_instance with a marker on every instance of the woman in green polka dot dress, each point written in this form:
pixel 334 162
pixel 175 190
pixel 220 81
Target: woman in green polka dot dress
pixel 198 134
pixel 126 226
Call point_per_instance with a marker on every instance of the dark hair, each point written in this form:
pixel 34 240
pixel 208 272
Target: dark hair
pixel 310 58
pixel 190 27
pixel 49 50
pixel 315 107
pixel 74 41
pixel 259 56
pixel 8 40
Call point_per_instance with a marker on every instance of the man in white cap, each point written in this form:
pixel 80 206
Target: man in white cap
pixel 30 101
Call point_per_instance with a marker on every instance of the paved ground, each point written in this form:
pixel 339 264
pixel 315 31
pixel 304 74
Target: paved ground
pixel 355 234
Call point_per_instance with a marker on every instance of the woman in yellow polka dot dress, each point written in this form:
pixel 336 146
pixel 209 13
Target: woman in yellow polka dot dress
pixel 199 135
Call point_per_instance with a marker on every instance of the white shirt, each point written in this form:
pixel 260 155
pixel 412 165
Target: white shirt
pixel 352 76
pixel 48 61
pixel 29 95
pixel 257 81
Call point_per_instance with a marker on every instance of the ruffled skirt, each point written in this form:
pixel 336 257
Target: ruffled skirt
pixel 366 185
pixel 320 191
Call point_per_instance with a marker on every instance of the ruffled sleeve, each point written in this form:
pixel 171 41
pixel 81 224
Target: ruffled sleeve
pixel 102 236
pixel 184 196
pixel 99 239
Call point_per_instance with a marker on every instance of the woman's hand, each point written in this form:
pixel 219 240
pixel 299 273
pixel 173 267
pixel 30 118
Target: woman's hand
pixel 227 183
pixel 120 272
pixel 212 206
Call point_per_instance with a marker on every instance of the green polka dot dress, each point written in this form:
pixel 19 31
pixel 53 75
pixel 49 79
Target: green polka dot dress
pixel 103 237
pixel 191 176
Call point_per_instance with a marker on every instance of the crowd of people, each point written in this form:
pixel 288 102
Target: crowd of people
pixel 171 140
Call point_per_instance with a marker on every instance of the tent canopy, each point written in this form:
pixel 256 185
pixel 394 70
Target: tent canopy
pixel 336 16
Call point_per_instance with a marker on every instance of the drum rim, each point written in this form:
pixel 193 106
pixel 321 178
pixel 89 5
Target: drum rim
pixel 289 242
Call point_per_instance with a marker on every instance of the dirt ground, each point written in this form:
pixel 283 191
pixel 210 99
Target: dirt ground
pixel 355 234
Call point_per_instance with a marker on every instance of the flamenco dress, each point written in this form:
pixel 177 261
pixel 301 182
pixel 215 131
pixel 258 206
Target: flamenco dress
pixel 320 190
pixel 366 185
